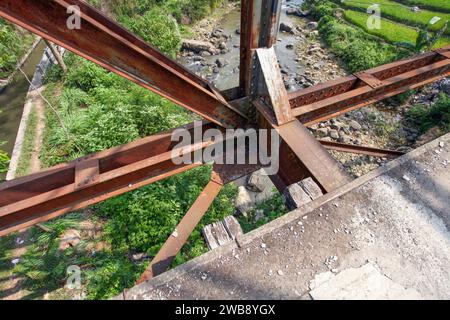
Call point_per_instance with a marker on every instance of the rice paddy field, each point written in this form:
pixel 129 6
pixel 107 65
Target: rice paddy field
pixel 401 13
pixel 439 5
pixel 399 23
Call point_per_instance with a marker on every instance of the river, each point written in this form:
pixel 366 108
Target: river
pixel 228 77
pixel 12 99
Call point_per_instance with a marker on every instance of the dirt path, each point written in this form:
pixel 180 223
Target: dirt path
pixel 39 107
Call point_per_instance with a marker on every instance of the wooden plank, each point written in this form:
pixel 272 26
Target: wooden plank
pixel 311 188
pixel 294 196
pixel 232 226
pixel 208 235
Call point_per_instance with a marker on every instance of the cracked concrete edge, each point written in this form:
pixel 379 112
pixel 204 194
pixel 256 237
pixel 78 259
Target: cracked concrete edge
pixel 289 217
pixel 167 276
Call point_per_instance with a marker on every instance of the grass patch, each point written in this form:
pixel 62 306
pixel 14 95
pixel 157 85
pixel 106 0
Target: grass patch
pixel 5 261
pixel 424 118
pixel 439 5
pixel 403 14
pixel 263 213
pixel 23 167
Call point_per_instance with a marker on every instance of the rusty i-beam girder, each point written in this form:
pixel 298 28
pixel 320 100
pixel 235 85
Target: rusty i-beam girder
pixel 104 42
pixel 331 99
pixel 67 187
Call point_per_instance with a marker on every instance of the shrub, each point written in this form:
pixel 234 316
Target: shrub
pixel 158 29
pixel 142 220
pixel 436 115
pixel 357 50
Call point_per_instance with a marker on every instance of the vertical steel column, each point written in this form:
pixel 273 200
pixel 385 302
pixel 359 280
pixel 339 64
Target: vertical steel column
pixel 259 28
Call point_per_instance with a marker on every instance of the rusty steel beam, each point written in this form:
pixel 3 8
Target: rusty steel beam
pixel 349 148
pixel 274 108
pixel 91 179
pixel 331 99
pixel 221 175
pixel 250 16
pixel 269 86
pixel 105 43
pixel 302 156
pixel 162 261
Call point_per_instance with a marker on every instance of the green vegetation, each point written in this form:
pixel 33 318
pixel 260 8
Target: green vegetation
pixel 4 160
pixel 425 41
pixel 356 49
pixel 360 48
pixel 263 213
pixel 398 33
pixel 400 13
pixel 5 261
pixel 390 31
pixel 13 45
pixel 425 118
pixel 439 5
pixel 182 10
pixel 157 28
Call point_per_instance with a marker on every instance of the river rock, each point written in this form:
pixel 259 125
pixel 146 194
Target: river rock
pixel 198 46
pixel 355 125
pixel 445 85
pixel 286 28
pixel 217 33
pixel 222 46
pixel 313 25
pixel 221 62
pixel 258 181
pixel 297 12
pixel 185 20
pixel 245 200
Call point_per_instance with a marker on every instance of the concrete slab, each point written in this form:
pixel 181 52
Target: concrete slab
pixel 399 225
pixel 364 283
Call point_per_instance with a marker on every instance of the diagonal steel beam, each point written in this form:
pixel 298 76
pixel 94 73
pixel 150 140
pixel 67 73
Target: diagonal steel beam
pixel 162 261
pixel 105 43
pixel 274 107
pixel 221 175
